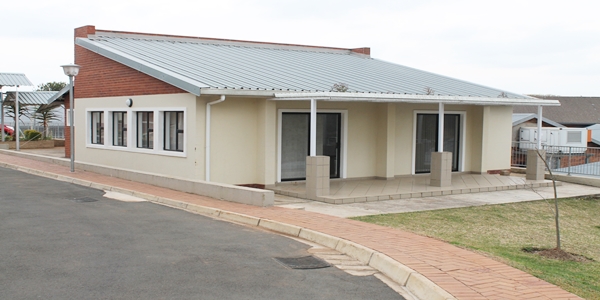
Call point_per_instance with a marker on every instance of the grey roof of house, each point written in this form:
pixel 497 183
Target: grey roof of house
pixel 29 98
pixel 197 64
pixel 522 118
pixel 14 79
pixel 573 110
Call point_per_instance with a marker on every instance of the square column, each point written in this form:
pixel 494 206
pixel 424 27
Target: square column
pixel 536 169
pixel 441 169
pixel 317 176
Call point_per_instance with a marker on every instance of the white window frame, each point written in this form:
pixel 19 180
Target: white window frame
pixel 344 137
pixel 132 130
pixel 463 128
pixel 135 127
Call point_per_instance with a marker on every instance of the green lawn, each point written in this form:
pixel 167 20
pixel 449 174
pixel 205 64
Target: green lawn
pixel 504 230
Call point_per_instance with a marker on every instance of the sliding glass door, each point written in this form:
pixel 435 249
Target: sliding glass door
pixel 427 140
pixel 295 143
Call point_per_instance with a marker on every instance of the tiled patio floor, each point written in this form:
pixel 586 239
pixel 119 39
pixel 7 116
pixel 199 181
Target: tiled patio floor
pixel 366 190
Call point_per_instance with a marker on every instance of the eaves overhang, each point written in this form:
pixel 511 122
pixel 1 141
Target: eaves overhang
pixel 157 72
pixel 59 94
pixel 411 98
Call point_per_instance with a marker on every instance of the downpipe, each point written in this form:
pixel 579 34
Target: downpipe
pixel 207 138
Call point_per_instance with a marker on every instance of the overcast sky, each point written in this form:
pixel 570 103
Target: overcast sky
pixel 524 46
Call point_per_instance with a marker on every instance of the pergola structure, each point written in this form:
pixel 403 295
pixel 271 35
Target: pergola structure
pixel 39 99
pixel 16 80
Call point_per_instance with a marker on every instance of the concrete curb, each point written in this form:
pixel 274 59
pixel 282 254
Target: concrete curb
pixel 417 284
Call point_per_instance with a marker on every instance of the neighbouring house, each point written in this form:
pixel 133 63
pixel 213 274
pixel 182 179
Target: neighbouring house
pixel 520 120
pixel 239 112
pixel 574 112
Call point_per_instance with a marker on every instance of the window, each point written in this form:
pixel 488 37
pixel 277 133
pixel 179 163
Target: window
pixel 145 129
pixel 120 128
pixel 97 127
pixel 173 130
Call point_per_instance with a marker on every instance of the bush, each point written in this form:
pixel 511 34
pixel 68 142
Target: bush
pixel 32 135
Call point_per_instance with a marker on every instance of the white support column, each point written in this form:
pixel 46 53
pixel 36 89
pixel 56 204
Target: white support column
pixel 313 127
pixel 2 112
pixel 441 128
pixel 17 115
pixel 539 128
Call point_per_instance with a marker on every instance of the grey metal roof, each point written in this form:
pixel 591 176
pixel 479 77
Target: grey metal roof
pixel 14 79
pixel 522 118
pixel 195 64
pixel 30 98
pixel 59 95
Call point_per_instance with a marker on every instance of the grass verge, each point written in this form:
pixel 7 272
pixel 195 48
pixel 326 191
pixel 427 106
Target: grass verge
pixel 503 231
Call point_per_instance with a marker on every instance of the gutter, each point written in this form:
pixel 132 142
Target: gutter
pixel 207 138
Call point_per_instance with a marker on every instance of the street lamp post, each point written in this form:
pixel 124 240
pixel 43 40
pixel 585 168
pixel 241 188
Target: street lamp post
pixel 71 71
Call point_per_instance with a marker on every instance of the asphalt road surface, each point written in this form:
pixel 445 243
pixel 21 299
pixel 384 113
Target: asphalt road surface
pixel 55 247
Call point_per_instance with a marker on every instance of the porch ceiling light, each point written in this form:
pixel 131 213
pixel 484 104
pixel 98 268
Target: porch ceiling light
pixel 71 70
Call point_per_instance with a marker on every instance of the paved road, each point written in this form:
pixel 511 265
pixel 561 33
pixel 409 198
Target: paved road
pixel 52 247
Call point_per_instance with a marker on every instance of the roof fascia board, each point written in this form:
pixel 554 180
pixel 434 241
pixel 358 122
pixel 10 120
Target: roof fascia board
pixel 237 92
pixel 162 74
pixel 59 94
pixel 331 96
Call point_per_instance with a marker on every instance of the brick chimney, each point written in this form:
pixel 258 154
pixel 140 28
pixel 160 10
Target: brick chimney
pixel 364 50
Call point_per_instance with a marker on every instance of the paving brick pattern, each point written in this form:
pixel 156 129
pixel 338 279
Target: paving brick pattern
pixel 462 273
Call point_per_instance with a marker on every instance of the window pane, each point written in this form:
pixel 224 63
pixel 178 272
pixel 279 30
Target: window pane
pixel 173 131
pixel 120 128
pixel 144 129
pixel 97 127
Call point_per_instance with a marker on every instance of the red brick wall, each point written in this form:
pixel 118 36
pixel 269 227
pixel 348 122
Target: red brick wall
pixel 103 77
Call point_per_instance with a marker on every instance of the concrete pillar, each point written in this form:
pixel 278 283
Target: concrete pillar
pixel 536 169
pixel 441 169
pixel 317 176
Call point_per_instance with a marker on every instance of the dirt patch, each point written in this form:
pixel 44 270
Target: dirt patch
pixel 557 254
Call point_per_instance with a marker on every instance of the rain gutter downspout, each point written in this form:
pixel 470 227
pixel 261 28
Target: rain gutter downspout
pixel 207 138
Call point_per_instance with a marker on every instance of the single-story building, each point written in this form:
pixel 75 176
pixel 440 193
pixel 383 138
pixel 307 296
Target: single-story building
pixel 239 112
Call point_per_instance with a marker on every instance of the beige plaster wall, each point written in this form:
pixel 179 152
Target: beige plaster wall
pixel 496 136
pixel 244 137
pixel 235 140
pixel 183 167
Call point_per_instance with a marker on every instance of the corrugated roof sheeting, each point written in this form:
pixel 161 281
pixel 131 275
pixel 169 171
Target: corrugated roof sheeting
pixel 30 98
pixel 14 79
pixel 208 64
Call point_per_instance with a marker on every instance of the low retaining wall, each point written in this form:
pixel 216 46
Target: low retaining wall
pixel 29 144
pixel 220 191
pixel 578 179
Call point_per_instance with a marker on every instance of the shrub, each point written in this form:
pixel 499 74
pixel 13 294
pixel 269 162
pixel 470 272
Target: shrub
pixel 32 135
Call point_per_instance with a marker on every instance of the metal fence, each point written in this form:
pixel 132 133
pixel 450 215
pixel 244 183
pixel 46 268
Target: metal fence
pixel 55 131
pixel 561 159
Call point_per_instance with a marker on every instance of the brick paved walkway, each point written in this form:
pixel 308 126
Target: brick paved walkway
pixel 462 273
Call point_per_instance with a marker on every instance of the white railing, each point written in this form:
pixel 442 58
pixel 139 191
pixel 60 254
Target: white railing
pixel 561 159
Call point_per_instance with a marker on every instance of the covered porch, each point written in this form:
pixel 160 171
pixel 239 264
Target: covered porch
pixel 343 191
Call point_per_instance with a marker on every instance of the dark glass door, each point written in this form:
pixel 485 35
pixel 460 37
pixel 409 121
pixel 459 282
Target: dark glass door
pixel 295 143
pixel 427 140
